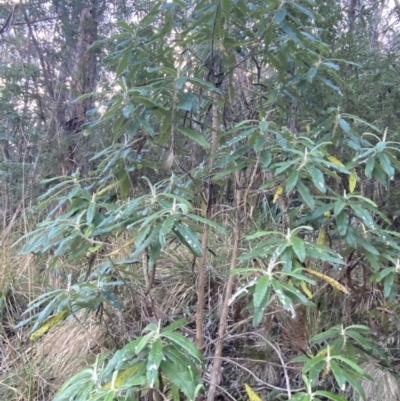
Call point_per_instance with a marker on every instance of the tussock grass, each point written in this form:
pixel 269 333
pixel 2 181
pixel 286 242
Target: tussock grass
pixel 383 387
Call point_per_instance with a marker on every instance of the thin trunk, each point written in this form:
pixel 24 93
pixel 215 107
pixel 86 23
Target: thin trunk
pixel 352 14
pixel 397 7
pixel 215 371
pixel 201 281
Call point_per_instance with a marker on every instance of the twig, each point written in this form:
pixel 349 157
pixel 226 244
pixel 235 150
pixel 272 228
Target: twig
pixel 222 389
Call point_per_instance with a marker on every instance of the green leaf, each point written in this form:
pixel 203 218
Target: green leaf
pixel 123 63
pixel 355 384
pixel 280 15
pixel 91 212
pixel 236 167
pixel 168 223
pixel 337 372
pixel 211 223
pixel 332 332
pixel 348 362
pixel 265 158
pixel 363 214
pixel 260 298
pixel 226 9
pixel 342 222
pixel 369 167
pixel 298 247
pixel 204 84
pixel 386 164
pixel 182 377
pixel 359 339
pixel 313 362
pixel 176 325
pixel 141 345
pixel 124 181
pixel 183 343
pixel 292 180
pixel 303 9
pixel 186 236
pixel 317 178
pixel 195 136
pixel 388 285
pixel 153 361
pixel 306 195
pixel 284 299
pixel 294 293
pixel 328 394
pixel 377 277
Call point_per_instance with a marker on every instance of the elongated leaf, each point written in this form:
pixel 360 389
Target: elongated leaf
pixel 292 180
pixel 153 361
pixel 284 299
pixel 306 195
pixel 328 279
pixel 317 178
pixel 183 343
pixel 295 294
pixel 329 395
pixel 298 247
pixel 342 222
pixel 195 136
pixel 260 298
pixel 187 237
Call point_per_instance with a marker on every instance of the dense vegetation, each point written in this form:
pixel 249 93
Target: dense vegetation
pixel 200 200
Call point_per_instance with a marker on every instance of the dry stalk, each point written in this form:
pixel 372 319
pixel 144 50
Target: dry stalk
pixel 228 293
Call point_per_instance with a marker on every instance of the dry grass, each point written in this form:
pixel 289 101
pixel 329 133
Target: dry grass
pixel 383 387
pixel 36 371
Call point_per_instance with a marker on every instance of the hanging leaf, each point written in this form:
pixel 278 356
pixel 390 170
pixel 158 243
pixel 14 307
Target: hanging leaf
pixel 369 167
pixel 153 361
pixel 306 195
pixel 305 289
pixel 322 237
pixel 186 236
pixel 298 247
pixel 169 161
pixel 352 181
pixel 317 178
pixel 278 193
pixel 292 181
pixel 253 396
pixel 195 136
pixel 260 298
pixel 336 161
pixel 342 222
pixel 328 279
pixel 47 326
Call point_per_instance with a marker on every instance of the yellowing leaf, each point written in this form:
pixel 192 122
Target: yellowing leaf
pixel 352 181
pixel 203 208
pixel 47 326
pixel 336 161
pixel 322 237
pixel 124 375
pixel 324 351
pixel 305 289
pixel 278 193
pixel 328 279
pixel 253 396
pixel 169 161
pixel 308 127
